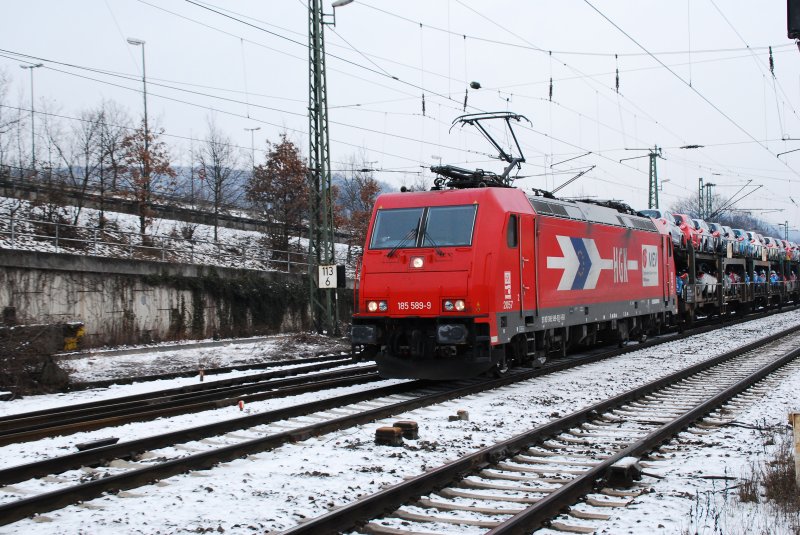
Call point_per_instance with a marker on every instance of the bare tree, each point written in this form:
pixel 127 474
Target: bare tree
pixel 146 169
pixel 80 156
pixel 279 189
pixel 722 211
pixel 358 190
pixel 115 125
pixel 9 121
pixel 219 170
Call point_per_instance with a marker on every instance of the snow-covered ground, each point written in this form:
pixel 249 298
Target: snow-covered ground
pixel 275 490
pixel 96 365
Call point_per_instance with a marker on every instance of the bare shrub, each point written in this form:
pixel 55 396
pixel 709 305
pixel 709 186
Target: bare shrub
pixel 26 362
pixel 779 478
pixel 749 485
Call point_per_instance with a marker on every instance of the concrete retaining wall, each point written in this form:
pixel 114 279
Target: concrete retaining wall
pixel 122 301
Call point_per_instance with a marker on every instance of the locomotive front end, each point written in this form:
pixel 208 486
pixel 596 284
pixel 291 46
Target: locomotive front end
pixel 419 309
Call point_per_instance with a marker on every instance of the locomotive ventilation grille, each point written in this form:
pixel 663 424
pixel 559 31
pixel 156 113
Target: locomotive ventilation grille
pixel 591 213
pixel 543 207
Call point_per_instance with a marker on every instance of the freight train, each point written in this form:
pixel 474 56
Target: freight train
pixel 476 276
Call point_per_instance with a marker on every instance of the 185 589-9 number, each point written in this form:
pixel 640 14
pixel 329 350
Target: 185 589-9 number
pixel 414 305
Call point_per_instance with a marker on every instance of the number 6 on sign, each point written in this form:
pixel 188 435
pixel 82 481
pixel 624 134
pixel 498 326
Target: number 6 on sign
pixel 327 277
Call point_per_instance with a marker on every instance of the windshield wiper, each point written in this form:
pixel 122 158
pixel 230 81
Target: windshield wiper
pixel 435 246
pixel 411 233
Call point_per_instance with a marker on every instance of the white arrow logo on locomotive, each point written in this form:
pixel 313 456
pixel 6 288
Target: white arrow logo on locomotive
pixel 582 263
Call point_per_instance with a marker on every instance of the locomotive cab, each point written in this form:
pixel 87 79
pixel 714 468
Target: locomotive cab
pixel 423 304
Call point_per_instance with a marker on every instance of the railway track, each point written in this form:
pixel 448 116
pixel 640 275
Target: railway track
pixel 182 400
pixel 143 467
pixel 205 396
pixel 330 414
pixel 86 385
pixel 528 481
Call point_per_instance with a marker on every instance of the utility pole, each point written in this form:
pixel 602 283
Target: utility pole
pixel 652 201
pixel 709 200
pixel 253 144
pixel 700 198
pixel 320 226
pixel 655 152
pixel 33 131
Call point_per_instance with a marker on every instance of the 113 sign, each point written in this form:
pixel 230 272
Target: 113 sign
pixel 327 277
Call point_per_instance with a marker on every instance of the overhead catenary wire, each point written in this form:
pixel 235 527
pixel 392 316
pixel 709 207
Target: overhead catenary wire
pixel 433 108
pixel 234 18
pixel 395 78
pixel 563 52
pixel 693 89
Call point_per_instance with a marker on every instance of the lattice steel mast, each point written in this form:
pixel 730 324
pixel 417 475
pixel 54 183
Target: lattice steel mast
pixel 320 221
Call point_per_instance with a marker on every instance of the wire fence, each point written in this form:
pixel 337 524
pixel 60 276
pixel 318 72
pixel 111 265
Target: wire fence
pixel 58 237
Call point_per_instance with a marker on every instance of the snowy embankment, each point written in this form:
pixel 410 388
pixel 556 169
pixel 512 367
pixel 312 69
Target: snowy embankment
pixel 167 240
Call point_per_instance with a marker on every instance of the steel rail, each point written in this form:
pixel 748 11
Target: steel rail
pixel 348 517
pixel 162 407
pixel 540 513
pixel 103 383
pixel 158 396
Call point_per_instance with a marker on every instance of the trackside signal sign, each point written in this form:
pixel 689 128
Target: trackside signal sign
pixel 327 277
pixel 331 277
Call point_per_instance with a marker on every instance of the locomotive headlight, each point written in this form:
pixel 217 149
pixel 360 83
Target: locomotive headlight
pixel 458 305
pixel 374 306
pixel 417 262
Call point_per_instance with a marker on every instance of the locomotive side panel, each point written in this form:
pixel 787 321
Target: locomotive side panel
pixel 592 272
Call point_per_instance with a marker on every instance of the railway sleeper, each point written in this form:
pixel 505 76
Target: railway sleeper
pixel 528 478
pixel 541 471
pixel 416 517
pixel 569 528
pixel 472 484
pixel 587 515
pixel 444 506
pixel 455 493
pixel 531 460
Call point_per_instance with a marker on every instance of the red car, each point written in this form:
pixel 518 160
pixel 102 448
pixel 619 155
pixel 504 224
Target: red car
pixel 690 234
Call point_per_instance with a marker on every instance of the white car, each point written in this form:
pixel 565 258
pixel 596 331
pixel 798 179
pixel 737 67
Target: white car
pixel 664 220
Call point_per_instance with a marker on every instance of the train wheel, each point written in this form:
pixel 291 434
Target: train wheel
pixel 502 367
pixel 623 333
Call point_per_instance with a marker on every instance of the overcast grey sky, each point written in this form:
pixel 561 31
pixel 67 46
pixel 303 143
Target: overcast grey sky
pixel 703 87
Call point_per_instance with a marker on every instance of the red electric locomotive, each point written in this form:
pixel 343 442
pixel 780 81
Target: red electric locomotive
pixel 460 281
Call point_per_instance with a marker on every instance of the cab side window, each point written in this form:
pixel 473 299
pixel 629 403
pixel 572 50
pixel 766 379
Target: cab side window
pixel 511 231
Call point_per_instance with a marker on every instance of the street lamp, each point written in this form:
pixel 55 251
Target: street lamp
pixel 252 143
pixel 146 157
pixel 33 131
pixel 138 42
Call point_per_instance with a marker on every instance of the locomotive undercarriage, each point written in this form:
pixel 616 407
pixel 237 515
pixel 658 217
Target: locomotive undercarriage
pixel 427 348
pixel 533 348
pixel 448 348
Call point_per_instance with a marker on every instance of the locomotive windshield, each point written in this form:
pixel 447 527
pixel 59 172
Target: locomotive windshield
pixel 436 226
